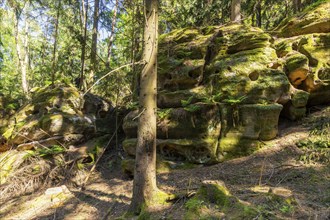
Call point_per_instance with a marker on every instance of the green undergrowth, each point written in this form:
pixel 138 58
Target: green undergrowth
pixel 316 148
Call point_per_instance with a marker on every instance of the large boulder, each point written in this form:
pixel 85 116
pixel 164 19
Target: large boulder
pixel 199 120
pixel 59 111
pixel 306 62
pixel 242 65
pixel 213 82
pixel 221 89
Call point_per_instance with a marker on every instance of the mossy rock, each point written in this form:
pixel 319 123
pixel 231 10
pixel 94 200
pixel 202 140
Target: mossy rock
pixel 251 121
pixel 314 19
pixel 187 43
pixel 293 113
pixel 315 47
pixel 178 75
pixel 296 67
pixel 193 150
pixel 256 38
pixel 214 201
pixel 198 120
pixel 174 99
pixel 57 124
pixel 179 36
pixel 55 96
pixel 51 111
pixel 318 89
pixel 246 73
pixel 243 126
pixel 259 121
pixel 299 98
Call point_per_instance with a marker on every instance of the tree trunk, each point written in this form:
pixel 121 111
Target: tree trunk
pixel 259 14
pixel 90 80
pixel 25 67
pixel 235 15
pixel 83 18
pixel 296 6
pixel 144 186
pixel 111 37
pixel 54 64
pixel 23 64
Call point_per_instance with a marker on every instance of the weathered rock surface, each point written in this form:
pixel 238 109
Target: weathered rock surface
pixel 223 88
pixel 59 112
pixel 309 21
pixel 214 201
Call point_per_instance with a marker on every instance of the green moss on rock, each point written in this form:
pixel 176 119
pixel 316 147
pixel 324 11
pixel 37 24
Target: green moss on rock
pixel 198 120
pixel 313 20
pixel 193 150
pixel 293 113
pixel 213 201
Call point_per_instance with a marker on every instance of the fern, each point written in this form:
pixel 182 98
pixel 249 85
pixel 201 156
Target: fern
pixel 235 101
pixel 187 102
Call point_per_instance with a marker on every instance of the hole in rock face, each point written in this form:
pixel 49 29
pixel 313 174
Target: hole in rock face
pixel 36 111
pixel 297 80
pixel 254 76
pixel 229 68
pixel 324 74
pixel 201 155
pixel 193 74
pixel 169 76
pixel 171 154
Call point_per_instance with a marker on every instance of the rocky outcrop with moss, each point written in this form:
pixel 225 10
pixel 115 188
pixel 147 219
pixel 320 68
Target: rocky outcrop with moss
pixel 223 88
pixel 51 132
pixel 54 115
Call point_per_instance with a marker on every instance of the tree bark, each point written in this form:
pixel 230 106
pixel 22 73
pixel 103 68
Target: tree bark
pixel 258 12
pixel 90 80
pixel 235 15
pixel 54 64
pixel 83 18
pixel 296 6
pixel 23 63
pixel 112 34
pixel 144 185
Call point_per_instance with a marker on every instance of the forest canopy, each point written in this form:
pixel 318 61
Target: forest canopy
pixel 46 41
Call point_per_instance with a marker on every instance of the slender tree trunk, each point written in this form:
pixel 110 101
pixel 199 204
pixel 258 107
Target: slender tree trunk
pixel 83 18
pixel 235 15
pixel 286 8
pixel 54 64
pixel 90 80
pixel 22 63
pixel 144 186
pixel 259 14
pixel 112 34
pixel 296 6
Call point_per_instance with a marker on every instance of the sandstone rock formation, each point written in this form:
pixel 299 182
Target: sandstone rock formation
pixel 222 88
pixel 53 115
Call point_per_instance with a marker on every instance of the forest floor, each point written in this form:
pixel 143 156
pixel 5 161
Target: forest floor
pixel 301 173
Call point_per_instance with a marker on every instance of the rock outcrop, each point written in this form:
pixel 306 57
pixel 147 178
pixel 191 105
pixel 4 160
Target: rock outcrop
pixel 54 115
pixel 223 88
